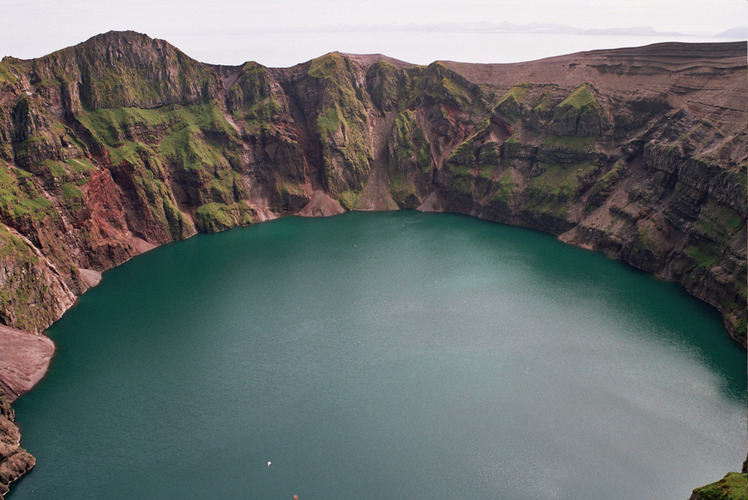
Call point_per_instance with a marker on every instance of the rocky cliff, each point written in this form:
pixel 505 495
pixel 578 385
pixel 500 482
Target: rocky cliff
pixel 123 143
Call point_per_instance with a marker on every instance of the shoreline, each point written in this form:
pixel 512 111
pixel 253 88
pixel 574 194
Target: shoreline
pixel 40 349
pixel 24 360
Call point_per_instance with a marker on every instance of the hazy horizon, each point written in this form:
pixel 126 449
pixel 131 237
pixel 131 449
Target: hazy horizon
pixel 288 32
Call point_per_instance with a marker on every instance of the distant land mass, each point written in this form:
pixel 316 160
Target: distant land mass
pixel 123 143
pixel 508 27
pixel 739 32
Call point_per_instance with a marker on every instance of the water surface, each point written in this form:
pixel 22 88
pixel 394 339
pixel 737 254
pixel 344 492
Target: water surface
pixel 383 355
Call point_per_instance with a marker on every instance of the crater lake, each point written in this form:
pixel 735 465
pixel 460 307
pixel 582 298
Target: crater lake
pixel 383 355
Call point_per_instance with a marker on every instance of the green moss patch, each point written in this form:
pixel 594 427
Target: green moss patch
pixel 192 137
pixel 21 197
pixel 517 93
pixel 734 486
pixel 510 104
pixel 554 189
pixel 349 199
pixel 579 114
pixel 718 223
pixel 580 99
pixel 704 256
pixel 6 74
pixel 583 144
pixel 215 217
pixel 504 190
pixel 411 141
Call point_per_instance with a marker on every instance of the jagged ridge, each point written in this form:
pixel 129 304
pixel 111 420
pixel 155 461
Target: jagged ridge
pixel 124 142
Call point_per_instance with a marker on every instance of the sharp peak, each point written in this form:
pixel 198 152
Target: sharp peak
pixel 126 34
pixel 128 37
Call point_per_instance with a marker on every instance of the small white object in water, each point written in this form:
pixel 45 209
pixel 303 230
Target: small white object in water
pixel 268 464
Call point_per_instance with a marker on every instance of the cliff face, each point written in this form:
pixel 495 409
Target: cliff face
pixel 123 143
pixel 14 460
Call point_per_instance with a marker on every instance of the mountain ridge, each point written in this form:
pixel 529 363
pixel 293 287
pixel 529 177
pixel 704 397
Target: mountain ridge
pixel 122 143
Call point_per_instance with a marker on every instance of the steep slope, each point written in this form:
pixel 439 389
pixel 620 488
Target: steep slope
pixel 123 143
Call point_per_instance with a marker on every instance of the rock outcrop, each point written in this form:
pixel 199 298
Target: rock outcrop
pixel 14 460
pixel 123 143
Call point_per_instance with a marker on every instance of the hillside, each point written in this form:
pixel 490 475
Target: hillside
pixel 123 143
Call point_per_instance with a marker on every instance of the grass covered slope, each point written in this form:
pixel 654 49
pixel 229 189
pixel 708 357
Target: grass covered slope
pixel 734 486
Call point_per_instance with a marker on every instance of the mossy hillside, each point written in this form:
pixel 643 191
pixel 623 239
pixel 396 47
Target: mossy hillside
pixel 341 123
pixel 288 197
pixel 716 234
pixel 52 173
pixel 386 86
pixel 250 99
pixel 411 142
pixel 460 164
pixel 9 68
pixel 719 224
pixel 477 155
pixel 704 255
pixel 642 241
pixel 72 197
pixel 566 150
pixel 190 148
pixel 143 167
pixel 349 199
pixel 489 159
pixel 151 143
pixel 504 190
pixel 441 85
pixel 580 99
pixel 114 126
pixel 35 135
pixel 194 145
pixel 410 162
pixel 510 104
pixel 127 69
pixel 514 149
pixel 584 144
pixel 216 217
pixel 579 114
pixel 734 486
pixel 552 191
pixel 403 191
pixel 190 136
pixel 260 116
pixel 470 167
pixel 251 87
pixel 543 103
pixel 500 197
pixel 159 217
pixel 21 197
pixel 407 89
pixel 24 301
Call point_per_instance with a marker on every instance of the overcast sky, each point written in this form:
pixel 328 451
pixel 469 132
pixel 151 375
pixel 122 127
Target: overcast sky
pixel 204 29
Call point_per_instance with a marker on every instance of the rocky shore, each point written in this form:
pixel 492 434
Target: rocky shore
pixel 24 360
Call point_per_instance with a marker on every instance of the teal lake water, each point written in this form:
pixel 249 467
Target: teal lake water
pixel 383 356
